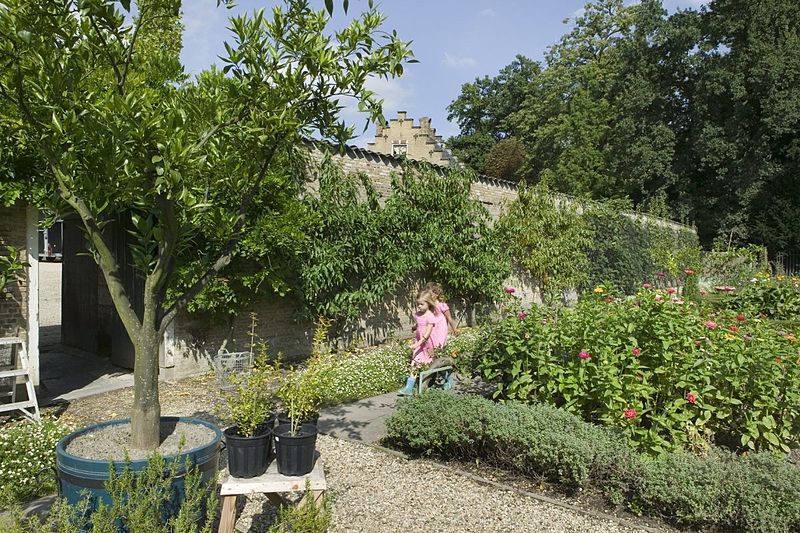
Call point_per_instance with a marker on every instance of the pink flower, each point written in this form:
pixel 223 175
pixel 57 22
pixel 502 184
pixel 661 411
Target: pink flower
pixel 677 301
pixel 659 297
pixel 510 290
pixel 710 324
pixel 691 398
pixel 688 271
pixel 662 275
pixel 740 318
pixel 584 354
pixel 672 290
pixel 636 352
pixel 647 286
pixel 629 413
pixel 522 315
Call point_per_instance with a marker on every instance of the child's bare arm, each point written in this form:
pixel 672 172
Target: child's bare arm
pixel 424 338
pixel 450 322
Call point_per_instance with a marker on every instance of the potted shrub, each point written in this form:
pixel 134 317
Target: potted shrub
pixel 249 439
pixel 296 441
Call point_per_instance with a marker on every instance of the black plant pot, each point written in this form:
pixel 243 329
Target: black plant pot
pixel 249 456
pixel 295 453
pixel 283 418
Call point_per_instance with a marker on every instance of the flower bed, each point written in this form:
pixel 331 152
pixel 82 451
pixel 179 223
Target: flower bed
pixel 656 366
pixel 27 459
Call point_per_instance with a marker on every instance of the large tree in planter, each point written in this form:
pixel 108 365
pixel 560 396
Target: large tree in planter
pixel 95 88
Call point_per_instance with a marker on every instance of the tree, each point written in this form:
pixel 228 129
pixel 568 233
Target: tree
pixel 505 160
pixel 483 108
pixel 121 134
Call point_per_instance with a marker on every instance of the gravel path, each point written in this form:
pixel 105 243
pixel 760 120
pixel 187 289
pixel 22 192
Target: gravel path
pixel 374 491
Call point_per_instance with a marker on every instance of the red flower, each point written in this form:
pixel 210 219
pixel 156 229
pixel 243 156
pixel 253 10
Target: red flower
pixel 778 360
pixel 740 318
pixel 688 271
pixel 662 275
pixel 608 299
pixel 636 352
pixel 522 315
pixel 629 413
pixel 647 286
pixel 710 324
pixel 672 290
pixel 691 398
pixel 733 328
pixel 510 290
pixel 584 354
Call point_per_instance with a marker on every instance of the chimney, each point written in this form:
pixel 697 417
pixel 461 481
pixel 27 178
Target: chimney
pixel 425 123
pixel 401 115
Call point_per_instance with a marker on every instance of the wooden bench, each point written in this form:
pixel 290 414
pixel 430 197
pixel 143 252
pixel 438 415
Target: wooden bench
pixel 271 483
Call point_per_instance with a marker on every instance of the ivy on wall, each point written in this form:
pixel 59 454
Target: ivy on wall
pixel 430 227
pixel 339 251
pixel 548 238
pixel 628 250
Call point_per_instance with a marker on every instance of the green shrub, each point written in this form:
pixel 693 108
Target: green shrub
pixel 535 440
pixel 656 367
pixel 27 459
pixel 757 492
pixel 310 517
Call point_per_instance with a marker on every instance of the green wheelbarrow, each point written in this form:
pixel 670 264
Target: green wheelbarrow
pixel 440 375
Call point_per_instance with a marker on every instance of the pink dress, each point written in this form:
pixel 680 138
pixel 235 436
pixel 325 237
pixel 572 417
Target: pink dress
pixel 439 333
pixel 422 355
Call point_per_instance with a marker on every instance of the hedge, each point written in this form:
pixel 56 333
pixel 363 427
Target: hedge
pixel 758 492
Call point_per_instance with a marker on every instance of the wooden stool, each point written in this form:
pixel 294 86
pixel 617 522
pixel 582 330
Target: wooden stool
pixel 269 483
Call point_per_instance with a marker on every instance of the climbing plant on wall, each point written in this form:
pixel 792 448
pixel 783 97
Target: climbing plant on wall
pixel 360 252
pixel 548 238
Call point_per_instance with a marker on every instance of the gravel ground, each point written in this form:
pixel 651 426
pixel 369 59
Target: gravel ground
pixel 372 490
pixel 378 492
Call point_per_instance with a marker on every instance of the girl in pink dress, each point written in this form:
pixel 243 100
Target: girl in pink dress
pixel 444 319
pixel 422 349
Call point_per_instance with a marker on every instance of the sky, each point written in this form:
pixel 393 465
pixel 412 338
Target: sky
pixel 455 41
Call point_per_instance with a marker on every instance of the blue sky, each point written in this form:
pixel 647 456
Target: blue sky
pixel 454 41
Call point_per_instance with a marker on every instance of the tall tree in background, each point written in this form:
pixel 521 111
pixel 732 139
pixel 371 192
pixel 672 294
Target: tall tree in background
pixel 483 109
pixel 699 107
pixel 95 92
pixel 744 138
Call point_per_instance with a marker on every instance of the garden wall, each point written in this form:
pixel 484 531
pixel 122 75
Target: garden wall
pixel 19 308
pixel 191 341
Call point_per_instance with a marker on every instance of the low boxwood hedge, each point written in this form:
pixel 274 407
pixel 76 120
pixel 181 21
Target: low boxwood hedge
pixel 756 492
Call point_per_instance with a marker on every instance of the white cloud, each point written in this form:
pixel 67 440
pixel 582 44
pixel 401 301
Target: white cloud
pixel 488 12
pixel 578 12
pixel 455 61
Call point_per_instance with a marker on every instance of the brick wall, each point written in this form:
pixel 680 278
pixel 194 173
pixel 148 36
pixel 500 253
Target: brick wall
pixel 14 299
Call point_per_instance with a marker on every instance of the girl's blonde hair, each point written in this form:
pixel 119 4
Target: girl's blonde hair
pixel 429 298
pixel 435 289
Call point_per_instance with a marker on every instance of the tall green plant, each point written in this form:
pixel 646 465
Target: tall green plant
pixel 548 238
pixel 10 267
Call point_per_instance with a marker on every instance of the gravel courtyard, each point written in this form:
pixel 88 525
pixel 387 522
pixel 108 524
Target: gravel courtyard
pixel 372 490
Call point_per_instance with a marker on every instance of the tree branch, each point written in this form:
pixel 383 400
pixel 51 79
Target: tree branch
pixel 107 53
pixel 227 251
pixel 107 262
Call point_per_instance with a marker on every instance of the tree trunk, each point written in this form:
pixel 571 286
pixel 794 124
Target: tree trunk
pixel 146 411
